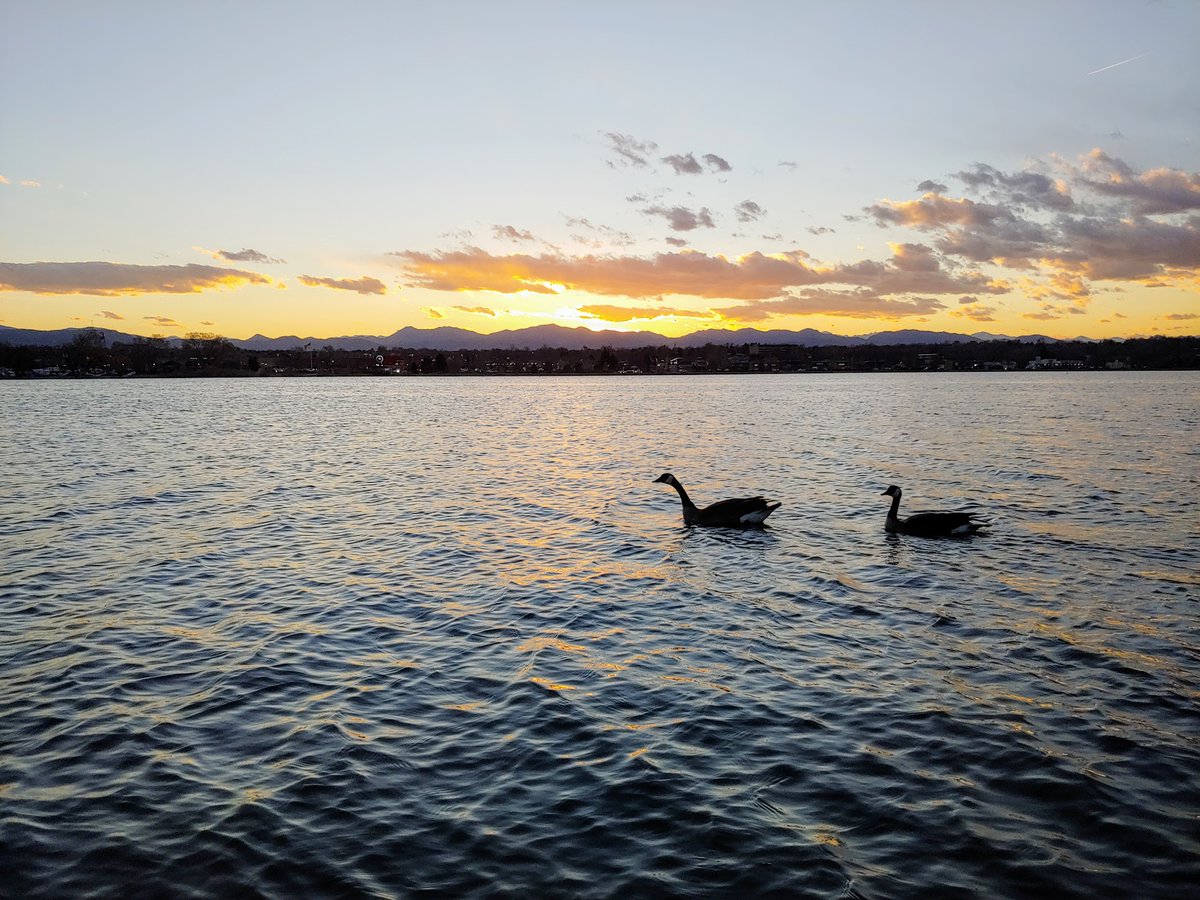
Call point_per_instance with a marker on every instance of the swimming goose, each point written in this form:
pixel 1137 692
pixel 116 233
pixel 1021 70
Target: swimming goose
pixel 932 524
pixel 724 513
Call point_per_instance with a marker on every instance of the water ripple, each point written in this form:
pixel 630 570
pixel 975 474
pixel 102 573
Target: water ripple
pixel 349 637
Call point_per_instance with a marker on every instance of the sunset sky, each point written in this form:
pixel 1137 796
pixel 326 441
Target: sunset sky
pixel 329 169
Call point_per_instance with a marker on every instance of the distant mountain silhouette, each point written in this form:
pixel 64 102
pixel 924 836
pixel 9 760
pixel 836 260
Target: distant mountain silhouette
pixel 17 337
pixel 447 338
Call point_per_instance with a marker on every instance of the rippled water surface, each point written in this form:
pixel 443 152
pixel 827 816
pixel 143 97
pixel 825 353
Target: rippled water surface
pixel 314 637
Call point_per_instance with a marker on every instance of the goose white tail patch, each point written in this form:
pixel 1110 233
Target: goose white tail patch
pixel 757 517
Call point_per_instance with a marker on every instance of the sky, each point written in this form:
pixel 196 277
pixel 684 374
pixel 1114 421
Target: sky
pixel 326 169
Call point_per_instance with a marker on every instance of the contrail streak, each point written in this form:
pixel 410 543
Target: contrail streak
pixel 1121 63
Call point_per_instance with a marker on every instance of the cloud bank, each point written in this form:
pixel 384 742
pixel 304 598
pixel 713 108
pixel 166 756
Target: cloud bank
pixel 754 276
pixel 1066 224
pixel 105 279
pixel 1046 233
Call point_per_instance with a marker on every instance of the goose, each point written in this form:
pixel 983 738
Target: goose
pixel 733 513
pixel 931 524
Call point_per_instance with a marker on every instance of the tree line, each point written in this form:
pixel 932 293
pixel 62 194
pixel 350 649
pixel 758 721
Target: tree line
pixel 199 354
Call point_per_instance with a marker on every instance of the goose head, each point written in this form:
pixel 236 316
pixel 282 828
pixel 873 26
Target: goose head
pixel 665 478
pixel 892 491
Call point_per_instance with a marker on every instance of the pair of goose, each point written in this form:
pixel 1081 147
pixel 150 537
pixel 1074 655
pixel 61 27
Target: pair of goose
pixel 742 511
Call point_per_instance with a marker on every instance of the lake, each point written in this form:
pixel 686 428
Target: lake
pixel 397 637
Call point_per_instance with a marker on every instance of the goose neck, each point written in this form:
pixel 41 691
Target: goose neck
pixel 683 497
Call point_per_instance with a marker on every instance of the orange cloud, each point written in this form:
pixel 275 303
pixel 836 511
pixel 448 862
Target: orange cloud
pixel 862 304
pixel 936 211
pixel 105 279
pixel 975 312
pixel 754 276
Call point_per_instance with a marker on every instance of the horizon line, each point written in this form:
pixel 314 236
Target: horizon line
pixel 578 328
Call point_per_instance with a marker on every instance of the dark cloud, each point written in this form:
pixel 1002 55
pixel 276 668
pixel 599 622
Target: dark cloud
pixel 630 151
pixel 253 256
pixel 364 285
pixel 105 279
pixel 1015 244
pixel 819 229
pixel 478 310
pixel 716 163
pixel 1154 193
pixel 676 242
pixel 932 187
pixel 923 275
pixel 1098 219
pixel 1029 189
pixel 914 258
pixel 1182 317
pixel 749 211
pixel 509 233
pixel 686 163
pixel 683 164
pixel 109 314
pixel 163 321
pixel 788 164
pixel 1127 248
pixel 682 219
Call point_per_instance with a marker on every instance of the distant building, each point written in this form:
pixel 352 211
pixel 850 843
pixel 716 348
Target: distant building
pixel 1039 362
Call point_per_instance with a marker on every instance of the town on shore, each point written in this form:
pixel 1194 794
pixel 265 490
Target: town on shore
pixel 89 354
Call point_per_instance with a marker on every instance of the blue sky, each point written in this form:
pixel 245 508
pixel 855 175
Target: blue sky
pixel 355 167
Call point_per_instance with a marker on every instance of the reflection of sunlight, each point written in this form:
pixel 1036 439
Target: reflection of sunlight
pixel 542 642
pixel 641 726
pixel 469 706
pixel 550 685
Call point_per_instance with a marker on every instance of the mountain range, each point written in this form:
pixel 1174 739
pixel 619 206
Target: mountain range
pixel 447 338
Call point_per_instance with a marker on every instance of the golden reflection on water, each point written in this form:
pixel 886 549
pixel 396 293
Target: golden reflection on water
pixel 541 642
pixel 641 726
pixel 552 686
pixel 469 706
